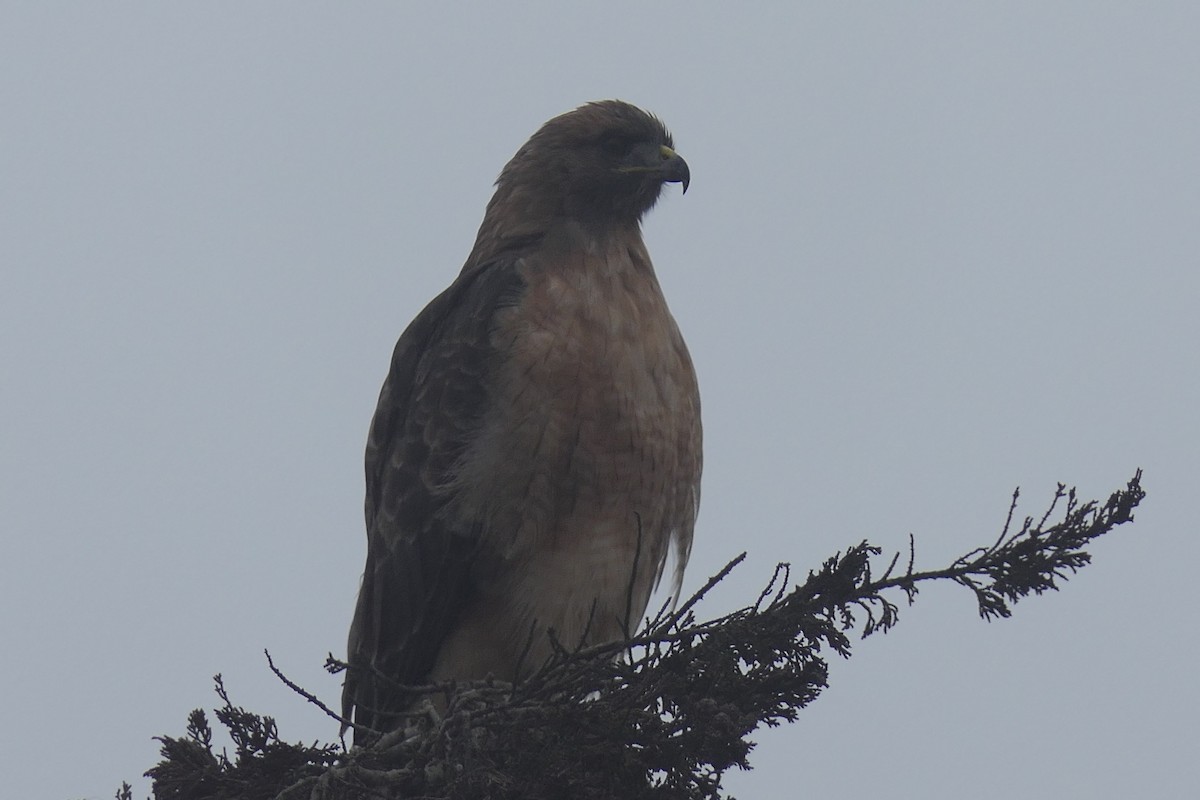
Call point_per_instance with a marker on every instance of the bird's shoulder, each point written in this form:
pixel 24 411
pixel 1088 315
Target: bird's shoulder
pixel 436 384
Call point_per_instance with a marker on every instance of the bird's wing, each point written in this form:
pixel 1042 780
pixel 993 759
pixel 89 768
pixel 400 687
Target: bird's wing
pixel 418 558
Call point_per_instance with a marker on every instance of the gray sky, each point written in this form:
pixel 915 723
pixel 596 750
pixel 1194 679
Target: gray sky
pixel 931 251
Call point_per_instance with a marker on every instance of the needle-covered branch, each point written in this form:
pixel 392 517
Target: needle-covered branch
pixel 662 715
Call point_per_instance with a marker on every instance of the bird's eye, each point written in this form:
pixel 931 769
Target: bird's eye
pixel 617 146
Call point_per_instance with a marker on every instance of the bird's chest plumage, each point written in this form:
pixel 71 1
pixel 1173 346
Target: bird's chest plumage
pixel 599 363
pixel 590 447
pixel 599 378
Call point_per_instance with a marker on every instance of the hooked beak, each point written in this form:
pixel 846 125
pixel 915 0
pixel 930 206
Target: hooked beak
pixel 674 168
pixel 664 163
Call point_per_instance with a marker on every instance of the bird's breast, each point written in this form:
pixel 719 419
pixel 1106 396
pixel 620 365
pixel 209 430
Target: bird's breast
pixel 594 421
pixel 586 465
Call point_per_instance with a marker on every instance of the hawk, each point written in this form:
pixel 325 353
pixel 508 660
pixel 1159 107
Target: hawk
pixel 535 453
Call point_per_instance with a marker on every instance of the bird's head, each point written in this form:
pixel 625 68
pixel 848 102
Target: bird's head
pixel 603 162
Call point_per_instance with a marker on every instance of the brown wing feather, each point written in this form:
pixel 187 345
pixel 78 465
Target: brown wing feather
pixel 417 574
